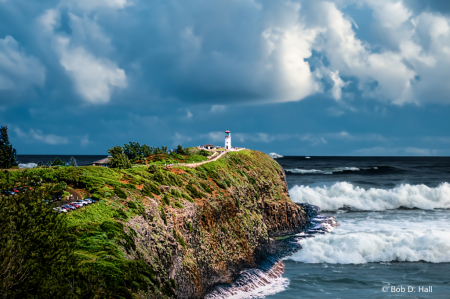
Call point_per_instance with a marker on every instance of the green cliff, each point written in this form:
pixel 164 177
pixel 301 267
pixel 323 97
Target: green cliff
pixel 176 232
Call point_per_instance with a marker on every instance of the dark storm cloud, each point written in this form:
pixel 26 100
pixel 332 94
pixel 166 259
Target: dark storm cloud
pixel 82 76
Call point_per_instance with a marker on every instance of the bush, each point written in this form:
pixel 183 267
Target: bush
pixel 189 225
pixel 206 187
pixel 195 193
pixel 204 153
pixel 120 192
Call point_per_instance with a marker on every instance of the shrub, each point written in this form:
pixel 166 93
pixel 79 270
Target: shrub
pixel 189 225
pixel 61 186
pixel 150 188
pixel 194 191
pixel 163 216
pixel 206 187
pixel 204 153
pixel 120 192
pixel 166 199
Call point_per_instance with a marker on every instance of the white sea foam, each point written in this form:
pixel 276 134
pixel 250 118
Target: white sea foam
pixel 323 171
pixel 27 165
pixel 345 195
pixel 364 247
pixel 275 155
pixel 253 284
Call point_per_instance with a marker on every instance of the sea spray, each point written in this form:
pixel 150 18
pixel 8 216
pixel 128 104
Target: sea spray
pixel 343 195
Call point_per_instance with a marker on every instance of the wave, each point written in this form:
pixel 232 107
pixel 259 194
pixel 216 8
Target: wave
pixel 343 195
pixel 327 171
pixel 366 247
pixel 275 156
pixel 253 283
pixel 27 165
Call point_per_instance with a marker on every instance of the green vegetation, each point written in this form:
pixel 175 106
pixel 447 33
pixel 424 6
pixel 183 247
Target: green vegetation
pixel 73 162
pixel 118 158
pixel 145 220
pixel 7 152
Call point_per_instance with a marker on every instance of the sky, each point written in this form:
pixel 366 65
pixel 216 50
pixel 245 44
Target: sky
pixel 344 77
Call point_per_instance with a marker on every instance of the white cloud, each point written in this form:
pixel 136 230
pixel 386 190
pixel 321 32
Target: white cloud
pixel 217 108
pixel 89 5
pixel 38 135
pixel 286 49
pixel 94 78
pixel 17 69
pixel 84 141
pixel 180 139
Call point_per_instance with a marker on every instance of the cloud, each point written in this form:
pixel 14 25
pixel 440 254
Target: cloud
pixel 17 69
pixel 84 141
pixel 90 5
pixel 217 108
pixel 38 135
pixel 94 78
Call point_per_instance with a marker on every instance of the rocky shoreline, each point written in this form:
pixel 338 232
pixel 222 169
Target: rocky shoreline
pixel 270 267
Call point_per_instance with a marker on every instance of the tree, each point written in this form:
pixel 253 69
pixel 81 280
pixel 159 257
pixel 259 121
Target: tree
pixel 40 164
pixel 36 246
pixel 49 163
pixel 118 159
pixel 73 162
pixel 58 162
pixel 7 152
pixel 180 150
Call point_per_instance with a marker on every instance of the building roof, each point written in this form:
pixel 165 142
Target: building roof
pixel 208 145
pixel 227 131
pixel 102 161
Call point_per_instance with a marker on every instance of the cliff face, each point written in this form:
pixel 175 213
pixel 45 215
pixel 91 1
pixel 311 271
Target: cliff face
pixel 178 232
pixel 224 232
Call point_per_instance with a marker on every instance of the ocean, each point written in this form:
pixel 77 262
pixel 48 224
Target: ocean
pixel 393 238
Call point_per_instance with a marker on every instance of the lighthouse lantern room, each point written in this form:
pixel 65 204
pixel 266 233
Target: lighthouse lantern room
pixel 227 140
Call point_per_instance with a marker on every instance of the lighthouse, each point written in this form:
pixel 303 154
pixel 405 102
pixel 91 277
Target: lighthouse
pixel 227 140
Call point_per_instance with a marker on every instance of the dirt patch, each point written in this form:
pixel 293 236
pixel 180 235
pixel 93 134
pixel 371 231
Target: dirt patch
pixel 76 194
pixel 177 170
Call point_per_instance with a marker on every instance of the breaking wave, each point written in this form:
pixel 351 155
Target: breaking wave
pixel 366 247
pixel 275 156
pixel 343 195
pixel 253 283
pixel 27 165
pixel 324 171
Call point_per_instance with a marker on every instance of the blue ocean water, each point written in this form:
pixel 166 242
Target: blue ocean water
pixel 393 238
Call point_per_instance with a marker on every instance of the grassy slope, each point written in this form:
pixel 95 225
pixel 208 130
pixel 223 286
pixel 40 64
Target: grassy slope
pixel 207 214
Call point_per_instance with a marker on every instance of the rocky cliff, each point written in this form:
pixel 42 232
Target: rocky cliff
pixel 177 232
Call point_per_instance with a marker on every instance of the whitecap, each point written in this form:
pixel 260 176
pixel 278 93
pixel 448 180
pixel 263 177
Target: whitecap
pixel 27 165
pixel 275 156
pixel 365 247
pixel 343 195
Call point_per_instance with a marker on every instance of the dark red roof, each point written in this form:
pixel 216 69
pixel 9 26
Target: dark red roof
pixel 227 131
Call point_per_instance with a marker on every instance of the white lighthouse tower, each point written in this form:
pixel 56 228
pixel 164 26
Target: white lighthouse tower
pixel 227 140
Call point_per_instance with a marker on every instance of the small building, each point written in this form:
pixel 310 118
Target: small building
pixel 227 140
pixel 208 146
pixel 102 162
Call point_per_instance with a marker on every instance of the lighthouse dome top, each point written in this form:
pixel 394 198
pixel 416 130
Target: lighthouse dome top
pixel 227 131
